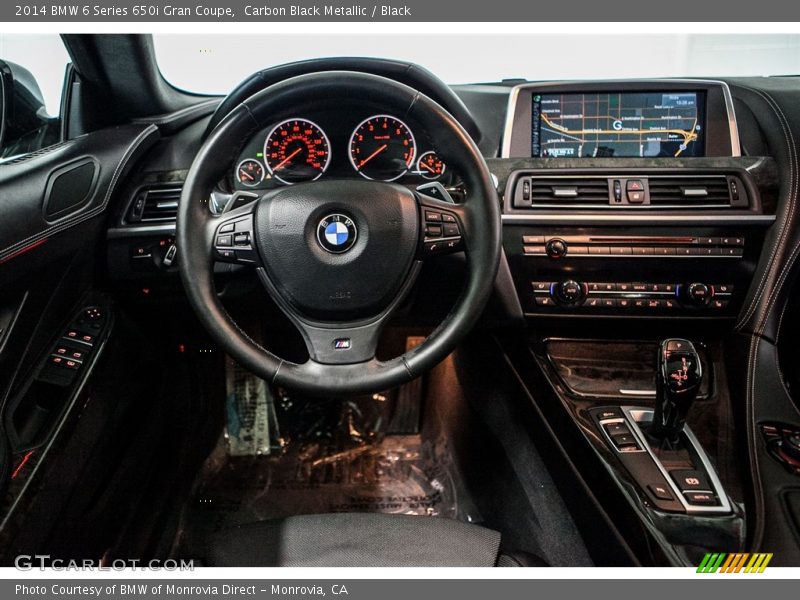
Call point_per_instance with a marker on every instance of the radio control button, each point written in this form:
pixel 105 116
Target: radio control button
pixel 556 248
pixel 731 251
pixel 526 239
pixel 534 250
pixel 732 241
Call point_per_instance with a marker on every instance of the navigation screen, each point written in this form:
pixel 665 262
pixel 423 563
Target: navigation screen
pixel 618 124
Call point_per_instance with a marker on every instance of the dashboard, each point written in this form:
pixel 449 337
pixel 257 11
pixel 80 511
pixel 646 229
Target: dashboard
pixel 619 198
pixel 342 142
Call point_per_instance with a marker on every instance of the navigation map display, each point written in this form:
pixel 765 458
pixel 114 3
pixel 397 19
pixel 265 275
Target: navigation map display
pixel 618 124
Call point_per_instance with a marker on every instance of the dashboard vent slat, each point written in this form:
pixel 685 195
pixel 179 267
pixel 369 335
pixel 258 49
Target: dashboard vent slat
pixel 155 204
pixel 568 190
pixel 689 191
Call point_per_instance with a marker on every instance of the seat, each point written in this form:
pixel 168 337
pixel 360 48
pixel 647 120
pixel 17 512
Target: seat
pixel 362 540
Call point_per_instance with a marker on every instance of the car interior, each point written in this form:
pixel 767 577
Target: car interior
pixel 348 314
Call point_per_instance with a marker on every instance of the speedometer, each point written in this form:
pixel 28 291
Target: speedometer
pixel 297 150
pixel 382 148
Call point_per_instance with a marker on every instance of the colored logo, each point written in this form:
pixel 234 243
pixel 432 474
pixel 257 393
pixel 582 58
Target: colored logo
pixel 741 562
pixel 337 233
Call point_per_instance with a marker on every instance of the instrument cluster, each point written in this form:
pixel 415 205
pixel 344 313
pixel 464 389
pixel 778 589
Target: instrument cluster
pixel 379 147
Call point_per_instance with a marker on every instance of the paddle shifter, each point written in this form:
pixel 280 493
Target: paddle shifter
pixel 678 378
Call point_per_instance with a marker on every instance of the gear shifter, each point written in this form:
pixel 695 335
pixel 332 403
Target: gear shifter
pixel 678 378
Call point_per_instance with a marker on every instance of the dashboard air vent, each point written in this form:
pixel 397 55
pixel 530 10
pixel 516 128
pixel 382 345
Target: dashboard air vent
pixel 568 191
pixel 690 191
pixel 155 204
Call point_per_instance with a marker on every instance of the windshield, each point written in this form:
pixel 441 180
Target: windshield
pixel 214 64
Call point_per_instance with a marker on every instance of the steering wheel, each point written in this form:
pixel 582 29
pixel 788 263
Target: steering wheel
pixel 338 256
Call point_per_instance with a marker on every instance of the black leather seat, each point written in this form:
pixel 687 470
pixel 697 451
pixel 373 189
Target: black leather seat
pixel 362 540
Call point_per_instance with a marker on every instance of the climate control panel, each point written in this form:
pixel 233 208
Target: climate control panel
pixel 571 294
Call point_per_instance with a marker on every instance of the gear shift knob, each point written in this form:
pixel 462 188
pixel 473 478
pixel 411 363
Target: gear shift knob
pixel 678 380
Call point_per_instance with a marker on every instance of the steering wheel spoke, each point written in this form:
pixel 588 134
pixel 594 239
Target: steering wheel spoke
pixel 442 227
pixel 331 345
pixel 341 343
pixel 232 236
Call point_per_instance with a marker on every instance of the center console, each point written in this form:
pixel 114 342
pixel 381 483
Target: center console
pixel 629 213
pixel 631 199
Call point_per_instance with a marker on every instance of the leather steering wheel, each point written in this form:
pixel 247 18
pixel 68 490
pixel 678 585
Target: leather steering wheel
pixel 338 289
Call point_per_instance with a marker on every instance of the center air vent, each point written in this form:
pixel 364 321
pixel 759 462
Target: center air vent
pixel 561 191
pixel 633 191
pixel 155 204
pixel 690 191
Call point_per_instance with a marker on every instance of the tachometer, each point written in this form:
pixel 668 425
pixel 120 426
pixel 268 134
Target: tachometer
pixel 297 150
pixel 382 148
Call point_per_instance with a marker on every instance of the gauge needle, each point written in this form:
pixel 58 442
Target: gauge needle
pixel 431 169
pixel 246 174
pixel 373 155
pixel 287 159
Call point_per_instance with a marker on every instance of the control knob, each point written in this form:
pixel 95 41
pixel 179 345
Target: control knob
pixel 569 292
pixel 556 248
pixel 699 293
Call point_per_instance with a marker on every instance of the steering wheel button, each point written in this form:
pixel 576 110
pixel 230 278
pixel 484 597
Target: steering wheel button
pixel 450 218
pixel 434 247
pixel 224 240
pixel 241 239
pixel 227 228
pixel 433 217
pixel 451 230
pixel 433 231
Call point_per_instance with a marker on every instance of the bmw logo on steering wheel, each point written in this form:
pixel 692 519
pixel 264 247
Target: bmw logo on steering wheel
pixel 337 233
